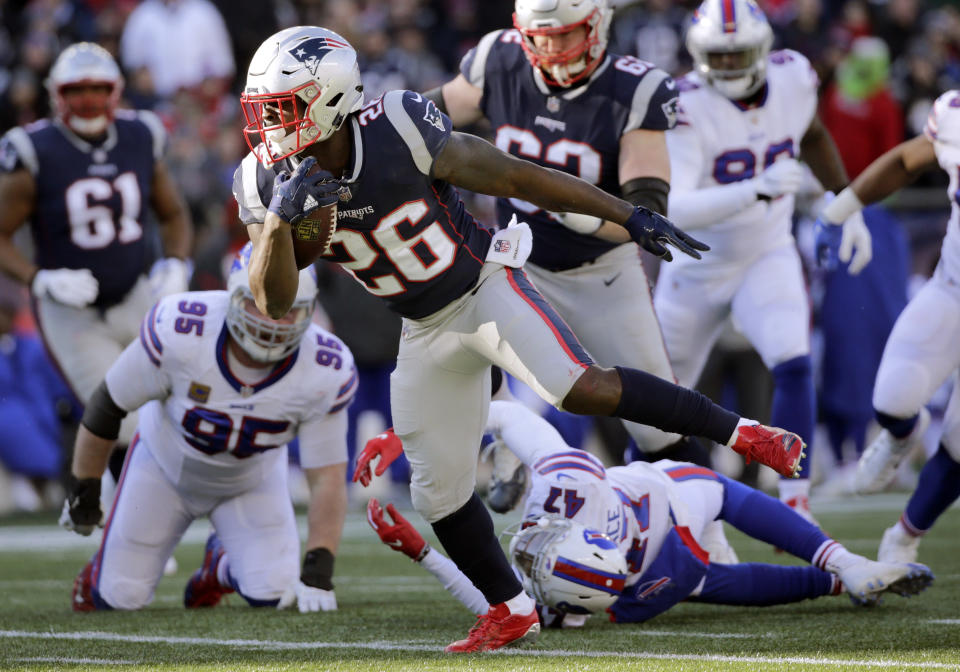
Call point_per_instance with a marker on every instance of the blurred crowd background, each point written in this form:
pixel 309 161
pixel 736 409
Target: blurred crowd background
pixel 881 64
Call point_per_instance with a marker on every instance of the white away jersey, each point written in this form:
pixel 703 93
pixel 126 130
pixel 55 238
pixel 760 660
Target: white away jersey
pixel 718 141
pixel 209 430
pixel 943 129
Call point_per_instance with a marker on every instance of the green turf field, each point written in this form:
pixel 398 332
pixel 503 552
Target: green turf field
pixel 393 616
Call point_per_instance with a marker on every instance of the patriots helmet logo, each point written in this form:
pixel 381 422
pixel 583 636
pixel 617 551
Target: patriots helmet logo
pixel 311 52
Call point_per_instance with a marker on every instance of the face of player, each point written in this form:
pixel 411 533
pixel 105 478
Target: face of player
pixel 87 107
pixel 560 42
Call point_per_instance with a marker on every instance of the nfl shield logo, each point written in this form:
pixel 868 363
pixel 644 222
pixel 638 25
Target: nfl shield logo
pixel 553 104
pixel 502 246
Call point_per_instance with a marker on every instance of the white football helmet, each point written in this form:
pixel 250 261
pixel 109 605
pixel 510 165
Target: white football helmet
pixel 306 79
pixel 553 17
pixel 265 339
pixel 567 566
pixel 729 41
pixel 85 63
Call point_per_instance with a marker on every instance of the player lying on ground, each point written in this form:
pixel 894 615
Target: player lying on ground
pixel 466 302
pixel 656 515
pixel 921 352
pixel 222 390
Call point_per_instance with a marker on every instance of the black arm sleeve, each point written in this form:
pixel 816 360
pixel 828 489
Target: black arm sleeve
pixel 650 192
pixel 318 569
pixel 436 95
pixel 102 416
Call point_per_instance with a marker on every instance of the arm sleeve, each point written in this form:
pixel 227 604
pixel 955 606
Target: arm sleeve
pixel 454 581
pixel 526 434
pixel 693 208
pixel 139 374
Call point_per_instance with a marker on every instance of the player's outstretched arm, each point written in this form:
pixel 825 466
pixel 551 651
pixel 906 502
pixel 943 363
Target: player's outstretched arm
pixel 91 452
pixel 176 227
pixel 325 516
pixel 819 151
pixel 472 163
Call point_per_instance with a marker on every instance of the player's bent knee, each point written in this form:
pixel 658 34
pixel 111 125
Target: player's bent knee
pixel 125 595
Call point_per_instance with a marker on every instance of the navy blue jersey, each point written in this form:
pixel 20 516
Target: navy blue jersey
pixel 90 199
pixel 576 130
pixel 403 234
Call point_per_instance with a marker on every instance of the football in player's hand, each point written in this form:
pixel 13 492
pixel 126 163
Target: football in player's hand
pixel 313 233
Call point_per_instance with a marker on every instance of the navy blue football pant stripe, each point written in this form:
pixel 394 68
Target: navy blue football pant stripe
pixel 520 282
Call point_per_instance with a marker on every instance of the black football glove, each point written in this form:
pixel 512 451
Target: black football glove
pixel 81 510
pixel 653 232
pixel 297 195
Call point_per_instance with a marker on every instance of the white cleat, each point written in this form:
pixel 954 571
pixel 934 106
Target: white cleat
pixel 878 464
pixel 867 580
pixel 898 546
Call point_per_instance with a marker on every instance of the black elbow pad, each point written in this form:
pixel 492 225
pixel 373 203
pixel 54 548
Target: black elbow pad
pixel 650 192
pixel 102 416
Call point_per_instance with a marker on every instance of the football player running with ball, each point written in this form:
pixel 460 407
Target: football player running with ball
pixel 556 97
pixel 222 389
pixel 403 232
pixel 745 115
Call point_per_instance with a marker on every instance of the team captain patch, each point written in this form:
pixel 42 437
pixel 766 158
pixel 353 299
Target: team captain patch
pixel 199 393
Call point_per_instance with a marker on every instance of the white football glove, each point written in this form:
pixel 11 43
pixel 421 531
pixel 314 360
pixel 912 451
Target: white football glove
pixel 856 243
pixel 785 176
pixel 71 286
pixel 170 276
pixel 308 599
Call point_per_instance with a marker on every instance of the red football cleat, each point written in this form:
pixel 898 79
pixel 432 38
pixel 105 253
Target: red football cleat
pixel 498 628
pixel 204 589
pixel 83 590
pixel 777 448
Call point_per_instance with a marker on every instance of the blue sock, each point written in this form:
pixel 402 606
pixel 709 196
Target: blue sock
pixel 757 584
pixel 899 427
pixel 767 519
pixel 793 402
pixel 938 488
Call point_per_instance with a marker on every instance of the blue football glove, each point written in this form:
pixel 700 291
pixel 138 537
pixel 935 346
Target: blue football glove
pixel 297 195
pixel 653 232
pixel 826 243
pixel 837 244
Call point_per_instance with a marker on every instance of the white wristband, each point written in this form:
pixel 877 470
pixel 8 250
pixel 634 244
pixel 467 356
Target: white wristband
pixel 842 207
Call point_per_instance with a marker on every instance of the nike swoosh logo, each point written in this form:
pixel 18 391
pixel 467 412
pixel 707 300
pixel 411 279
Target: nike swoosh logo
pixel 611 280
pixel 396 543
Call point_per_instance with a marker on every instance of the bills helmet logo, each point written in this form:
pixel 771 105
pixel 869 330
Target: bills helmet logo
pixel 311 52
pixel 598 539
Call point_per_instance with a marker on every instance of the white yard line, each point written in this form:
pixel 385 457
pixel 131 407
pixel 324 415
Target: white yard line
pixel 82 661
pixel 409 646
pixel 945 621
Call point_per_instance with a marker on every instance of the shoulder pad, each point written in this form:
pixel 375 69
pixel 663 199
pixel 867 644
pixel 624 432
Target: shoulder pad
pixel 421 125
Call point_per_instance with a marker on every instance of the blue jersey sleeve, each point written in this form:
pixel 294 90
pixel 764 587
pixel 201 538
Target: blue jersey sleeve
pixel 17 151
pixel 421 125
pixel 662 110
